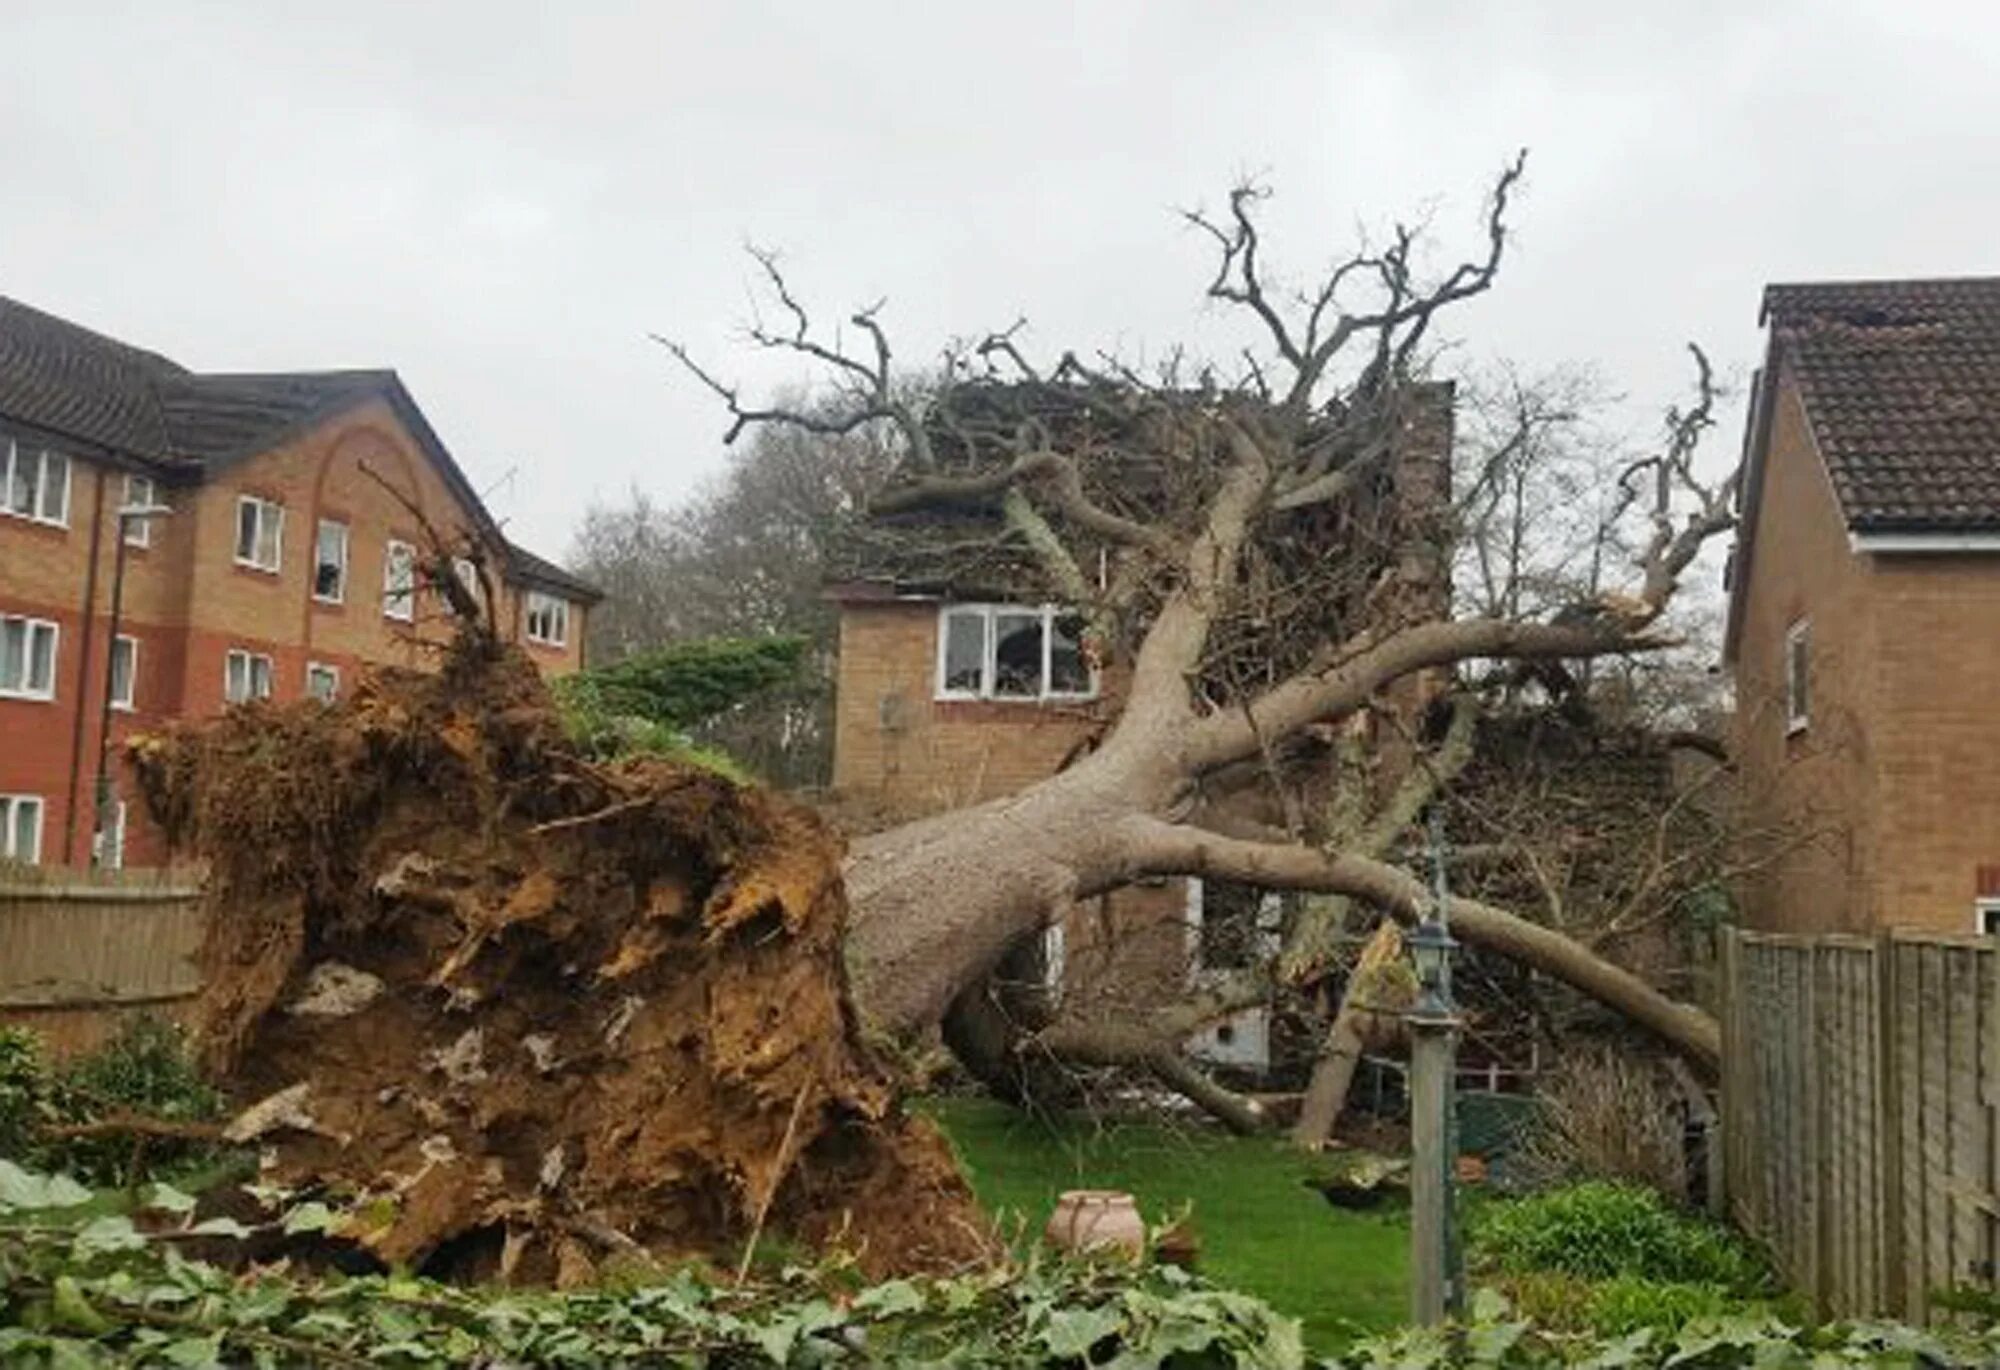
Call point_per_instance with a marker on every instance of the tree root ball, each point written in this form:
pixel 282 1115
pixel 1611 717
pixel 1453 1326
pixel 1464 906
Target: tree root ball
pixel 529 1013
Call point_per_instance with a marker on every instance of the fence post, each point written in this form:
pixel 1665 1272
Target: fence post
pixel 1888 1126
pixel 1724 1157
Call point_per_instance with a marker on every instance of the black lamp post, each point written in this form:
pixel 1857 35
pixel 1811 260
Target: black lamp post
pixel 1436 1282
pixel 106 800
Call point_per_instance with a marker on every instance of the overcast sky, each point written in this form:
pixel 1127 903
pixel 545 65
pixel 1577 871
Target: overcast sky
pixel 501 199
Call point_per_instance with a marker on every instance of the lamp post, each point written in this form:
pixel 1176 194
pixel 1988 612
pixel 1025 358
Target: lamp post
pixel 1436 1283
pixel 106 801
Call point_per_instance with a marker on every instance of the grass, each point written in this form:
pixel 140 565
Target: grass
pixel 1261 1229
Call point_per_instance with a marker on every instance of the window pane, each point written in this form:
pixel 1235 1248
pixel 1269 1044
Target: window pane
pixel 25 839
pixel 1017 654
pixel 398 580
pixel 246 529
pixel 13 654
pixel 55 487
pixel 42 658
pixel 1068 672
pixel 269 528
pixel 330 561
pixel 1229 931
pixel 14 486
pixel 260 676
pixel 964 651
pixel 123 654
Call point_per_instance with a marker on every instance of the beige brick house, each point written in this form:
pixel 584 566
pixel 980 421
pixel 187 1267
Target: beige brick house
pixel 1864 613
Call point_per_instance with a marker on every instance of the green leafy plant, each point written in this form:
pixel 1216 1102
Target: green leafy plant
pixel 647 703
pixel 145 1069
pixel 1600 1230
pixel 27 1090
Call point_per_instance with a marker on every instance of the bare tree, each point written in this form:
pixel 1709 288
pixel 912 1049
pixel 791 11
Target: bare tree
pixel 1230 536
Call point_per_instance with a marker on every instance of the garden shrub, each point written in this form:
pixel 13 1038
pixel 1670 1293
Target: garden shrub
pixel 27 1090
pixel 1601 1230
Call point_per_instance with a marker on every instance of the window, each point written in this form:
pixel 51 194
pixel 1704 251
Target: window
pixel 330 562
pixel 1231 926
pixel 140 493
pixel 322 681
pixel 1986 917
pixel 21 828
pixel 399 581
pixel 124 671
pixel 246 676
pixel 110 844
pixel 1015 652
pixel 468 576
pixel 1798 658
pixel 28 658
pixel 548 619
pixel 260 533
pixel 34 483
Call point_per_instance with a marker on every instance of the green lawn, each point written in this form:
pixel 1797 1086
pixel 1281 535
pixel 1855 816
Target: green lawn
pixel 1261 1229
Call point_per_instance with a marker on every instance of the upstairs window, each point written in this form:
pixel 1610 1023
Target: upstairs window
pixel 260 533
pixel 1798 677
pixel 399 581
pixel 140 493
pixel 330 562
pixel 34 483
pixel 1012 652
pixel 468 576
pixel 1986 916
pixel 28 658
pixel 124 671
pixel 21 828
pixel 246 676
pixel 547 619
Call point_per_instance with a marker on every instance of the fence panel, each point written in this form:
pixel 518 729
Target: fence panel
pixel 1860 1078
pixel 80 949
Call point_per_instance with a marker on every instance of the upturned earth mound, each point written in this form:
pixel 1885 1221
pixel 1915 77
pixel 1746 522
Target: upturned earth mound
pixel 530 1012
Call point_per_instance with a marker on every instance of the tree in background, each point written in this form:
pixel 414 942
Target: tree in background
pixel 747 556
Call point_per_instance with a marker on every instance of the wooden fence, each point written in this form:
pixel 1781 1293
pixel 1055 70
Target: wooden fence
pixel 1860 1078
pixel 81 949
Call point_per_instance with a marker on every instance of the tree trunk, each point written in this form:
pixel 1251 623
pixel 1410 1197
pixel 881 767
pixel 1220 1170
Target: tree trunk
pixel 1333 1072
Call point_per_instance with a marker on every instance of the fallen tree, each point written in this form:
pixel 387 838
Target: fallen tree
pixel 1223 534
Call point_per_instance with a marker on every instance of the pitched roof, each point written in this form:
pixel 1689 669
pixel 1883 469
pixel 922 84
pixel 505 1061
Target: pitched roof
pixel 1901 380
pixel 68 381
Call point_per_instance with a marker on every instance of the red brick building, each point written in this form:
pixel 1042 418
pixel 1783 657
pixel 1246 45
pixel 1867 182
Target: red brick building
pixel 286 565
pixel 1864 610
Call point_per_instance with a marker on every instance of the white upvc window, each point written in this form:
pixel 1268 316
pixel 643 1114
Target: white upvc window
pixel 330 562
pixel 246 676
pixel 111 842
pixel 1986 915
pixel 399 581
pixel 21 828
pixel 1012 652
pixel 260 533
pixel 547 619
pixel 34 483
pixel 140 493
pixel 1231 926
pixel 28 657
pixel 1798 677
pixel 124 671
pixel 322 681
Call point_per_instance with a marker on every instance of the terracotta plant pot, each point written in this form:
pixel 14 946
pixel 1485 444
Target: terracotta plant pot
pixel 1097 1220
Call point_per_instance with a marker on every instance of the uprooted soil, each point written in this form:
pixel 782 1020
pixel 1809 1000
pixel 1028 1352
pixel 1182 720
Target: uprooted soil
pixel 530 1012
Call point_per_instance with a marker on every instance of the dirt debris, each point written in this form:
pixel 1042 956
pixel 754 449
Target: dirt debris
pixel 531 1012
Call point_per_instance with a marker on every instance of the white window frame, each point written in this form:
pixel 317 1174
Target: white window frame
pixel 111 853
pixel 552 607
pixel 249 660
pixel 38 506
pixel 988 663
pixel 8 805
pixel 392 598
pixel 1798 676
pixel 125 702
pixel 1986 915
pixel 1270 930
pixel 265 509
pixel 139 532
pixel 339 596
pixel 332 673
pixel 26 690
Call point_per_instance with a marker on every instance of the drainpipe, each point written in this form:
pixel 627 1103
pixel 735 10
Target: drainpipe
pixel 83 664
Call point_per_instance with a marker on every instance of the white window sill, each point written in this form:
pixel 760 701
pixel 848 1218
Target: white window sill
pixel 333 600
pixel 125 708
pixel 62 523
pixel 29 696
pixel 256 566
pixel 1795 726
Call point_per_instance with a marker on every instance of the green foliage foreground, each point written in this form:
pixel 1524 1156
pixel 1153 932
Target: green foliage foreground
pixel 82 1288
